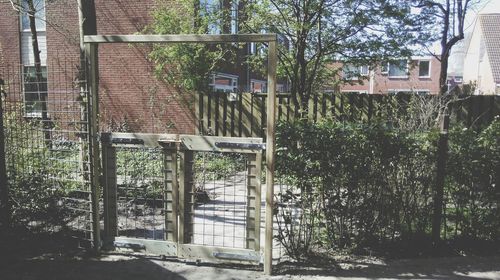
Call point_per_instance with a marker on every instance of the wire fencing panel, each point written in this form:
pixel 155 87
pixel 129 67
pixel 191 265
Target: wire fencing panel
pixel 219 210
pixel 140 193
pixel 47 154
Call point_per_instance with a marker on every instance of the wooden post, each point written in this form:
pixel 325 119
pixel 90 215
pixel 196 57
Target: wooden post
pixel 253 201
pixel 440 178
pixel 4 187
pixel 109 191
pixel 91 54
pixel 186 197
pixel 270 154
pixel 171 197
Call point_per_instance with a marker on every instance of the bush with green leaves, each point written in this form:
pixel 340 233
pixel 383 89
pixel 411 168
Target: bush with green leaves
pixel 473 192
pixel 40 177
pixel 216 166
pixel 38 202
pixel 362 185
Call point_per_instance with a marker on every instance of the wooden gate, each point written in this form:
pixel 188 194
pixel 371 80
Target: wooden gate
pixel 169 195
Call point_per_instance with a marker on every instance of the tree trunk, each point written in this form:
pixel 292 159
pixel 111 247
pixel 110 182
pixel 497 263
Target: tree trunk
pixel 42 91
pixel 442 152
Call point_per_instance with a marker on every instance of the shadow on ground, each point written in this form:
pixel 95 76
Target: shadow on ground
pixel 373 268
pixel 55 257
pixel 136 268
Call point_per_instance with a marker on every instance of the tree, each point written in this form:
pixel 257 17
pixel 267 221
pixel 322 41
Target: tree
pixel 321 32
pixel 186 66
pixel 29 8
pixel 314 35
pixel 448 18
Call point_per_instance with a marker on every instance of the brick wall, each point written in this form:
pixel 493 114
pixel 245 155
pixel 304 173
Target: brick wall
pixel 130 95
pixel 10 54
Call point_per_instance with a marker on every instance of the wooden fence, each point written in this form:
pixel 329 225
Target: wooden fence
pixel 244 115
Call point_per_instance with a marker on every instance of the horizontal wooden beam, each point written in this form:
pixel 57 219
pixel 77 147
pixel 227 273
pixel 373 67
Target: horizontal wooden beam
pixel 218 254
pixel 188 38
pixel 147 246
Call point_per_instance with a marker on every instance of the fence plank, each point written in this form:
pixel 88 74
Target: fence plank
pixel 246 117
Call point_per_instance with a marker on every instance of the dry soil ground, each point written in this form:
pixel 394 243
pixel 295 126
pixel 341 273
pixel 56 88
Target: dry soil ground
pixel 127 268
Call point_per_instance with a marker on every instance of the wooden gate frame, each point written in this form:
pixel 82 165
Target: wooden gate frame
pixel 91 51
pixel 178 198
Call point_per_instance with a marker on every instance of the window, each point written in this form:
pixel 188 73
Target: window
pixel 400 91
pixel 351 72
pixel 39 15
pixel 398 69
pixel 253 48
pixel 258 86
pixel 33 91
pixel 224 82
pixel 424 68
pixel 258 48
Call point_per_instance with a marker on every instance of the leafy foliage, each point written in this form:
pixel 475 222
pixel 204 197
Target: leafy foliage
pixel 473 191
pixel 362 185
pixel 186 66
pixel 216 166
pixel 40 179
pixel 38 202
pixel 317 34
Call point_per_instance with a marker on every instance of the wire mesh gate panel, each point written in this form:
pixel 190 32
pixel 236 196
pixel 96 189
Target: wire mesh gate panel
pixel 48 154
pixel 194 197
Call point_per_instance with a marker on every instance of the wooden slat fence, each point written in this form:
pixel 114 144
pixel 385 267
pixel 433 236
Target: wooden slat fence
pixel 246 115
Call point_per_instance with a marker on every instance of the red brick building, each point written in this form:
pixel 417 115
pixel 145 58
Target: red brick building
pixel 419 75
pixel 131 98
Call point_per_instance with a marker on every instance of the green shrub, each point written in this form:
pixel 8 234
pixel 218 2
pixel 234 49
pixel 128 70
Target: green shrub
pixel 362 185
pixel 38 202
pixel 370 183
pixel 472 182
pixel 39 176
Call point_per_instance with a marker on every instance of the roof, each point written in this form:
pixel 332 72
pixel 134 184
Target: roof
pixel 490 8
pixel 490 25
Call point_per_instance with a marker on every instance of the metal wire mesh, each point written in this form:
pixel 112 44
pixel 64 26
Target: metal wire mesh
pixel 220 192
pixel 47 142
pixel 286 217
pixel 218 215
pixel 140 193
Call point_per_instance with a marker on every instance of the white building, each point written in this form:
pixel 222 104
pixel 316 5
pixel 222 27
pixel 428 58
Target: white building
pixel 482 54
